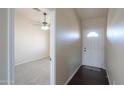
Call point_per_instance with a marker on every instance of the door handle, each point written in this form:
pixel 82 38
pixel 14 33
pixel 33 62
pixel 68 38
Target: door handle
pixel 85 49
pixel 50 59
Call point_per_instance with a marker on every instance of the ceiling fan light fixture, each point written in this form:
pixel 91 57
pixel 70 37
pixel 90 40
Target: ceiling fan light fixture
pixel 45 27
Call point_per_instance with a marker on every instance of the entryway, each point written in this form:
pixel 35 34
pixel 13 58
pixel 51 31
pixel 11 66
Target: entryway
pixel 93 69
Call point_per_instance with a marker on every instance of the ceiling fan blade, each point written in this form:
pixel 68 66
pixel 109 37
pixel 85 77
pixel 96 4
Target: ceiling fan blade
pixel 37 9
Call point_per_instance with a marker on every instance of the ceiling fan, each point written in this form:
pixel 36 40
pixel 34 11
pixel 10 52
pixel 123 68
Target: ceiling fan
pixel 45 26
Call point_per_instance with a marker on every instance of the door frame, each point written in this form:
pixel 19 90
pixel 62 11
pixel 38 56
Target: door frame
pixel 53 48
pixel 11 67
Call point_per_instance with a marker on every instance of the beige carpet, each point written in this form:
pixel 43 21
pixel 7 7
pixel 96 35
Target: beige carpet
pixel 33 73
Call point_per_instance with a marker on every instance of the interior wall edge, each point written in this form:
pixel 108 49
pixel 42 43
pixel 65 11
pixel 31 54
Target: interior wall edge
pixel 11 15
pixel 108 76
pixel 75 71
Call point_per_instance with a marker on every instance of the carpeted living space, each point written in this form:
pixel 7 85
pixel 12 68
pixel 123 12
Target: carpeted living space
pixel 33 73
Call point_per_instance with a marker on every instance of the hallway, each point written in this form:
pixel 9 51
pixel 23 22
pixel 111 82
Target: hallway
pixel 87 75
pixel 81 40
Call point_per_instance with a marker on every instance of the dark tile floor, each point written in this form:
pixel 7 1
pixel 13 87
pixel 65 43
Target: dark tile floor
pixel 89 76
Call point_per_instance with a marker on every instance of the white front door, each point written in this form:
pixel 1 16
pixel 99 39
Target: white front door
pixel 93 47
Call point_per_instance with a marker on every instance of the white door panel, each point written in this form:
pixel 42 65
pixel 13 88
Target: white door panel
pixel 93 47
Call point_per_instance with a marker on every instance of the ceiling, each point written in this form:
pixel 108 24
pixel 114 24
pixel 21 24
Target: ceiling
pixel 85 13
pixel 32 14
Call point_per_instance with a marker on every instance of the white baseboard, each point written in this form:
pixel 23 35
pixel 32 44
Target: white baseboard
pixel 110 83
pixel 32 60
pixel 72 75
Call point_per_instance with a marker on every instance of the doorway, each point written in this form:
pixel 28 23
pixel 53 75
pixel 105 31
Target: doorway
pixel 94 42
pixel 33 49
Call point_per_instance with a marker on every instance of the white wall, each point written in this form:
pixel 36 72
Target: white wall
pixel 115 45
pixel 98 25
pixel 6 28
pixel 30 42
pixel 3 46
pixel 68 44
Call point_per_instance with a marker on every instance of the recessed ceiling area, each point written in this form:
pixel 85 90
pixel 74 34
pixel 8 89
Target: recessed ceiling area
pixel 85 13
